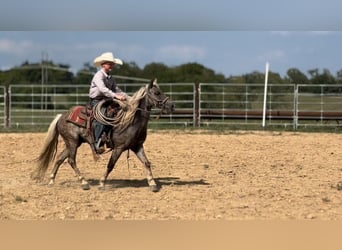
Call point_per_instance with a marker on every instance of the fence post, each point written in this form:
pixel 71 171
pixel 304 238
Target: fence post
pixel 7 106
pixel 265 97
pixel 196 104
pixel 295 107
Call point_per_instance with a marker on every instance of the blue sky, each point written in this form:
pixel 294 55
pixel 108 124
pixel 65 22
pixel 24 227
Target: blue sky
pixel 229 36
pixel 226 52
pixel 171 15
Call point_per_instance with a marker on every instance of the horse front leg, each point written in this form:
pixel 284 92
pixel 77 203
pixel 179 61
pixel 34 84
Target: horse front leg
pixel 110 166
pixel 140 153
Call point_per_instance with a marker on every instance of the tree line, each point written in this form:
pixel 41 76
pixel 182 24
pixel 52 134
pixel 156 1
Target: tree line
pixel 48 73
pixel 52 73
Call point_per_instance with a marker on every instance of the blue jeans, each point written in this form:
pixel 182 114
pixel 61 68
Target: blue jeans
pixel 99 127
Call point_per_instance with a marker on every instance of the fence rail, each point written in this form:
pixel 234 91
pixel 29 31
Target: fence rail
pixel 243 104
pixel 200 104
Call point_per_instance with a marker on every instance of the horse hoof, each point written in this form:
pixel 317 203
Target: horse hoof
pixel 339 186
pixel 85 186
pixel 154 188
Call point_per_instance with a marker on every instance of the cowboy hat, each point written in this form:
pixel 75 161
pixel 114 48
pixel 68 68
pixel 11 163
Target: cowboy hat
pixel 106 57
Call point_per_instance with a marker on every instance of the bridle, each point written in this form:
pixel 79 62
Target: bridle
pixel 156 101
pixel 160 104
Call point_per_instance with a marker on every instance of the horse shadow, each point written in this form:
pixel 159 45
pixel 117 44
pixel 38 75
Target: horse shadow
pixel 139 183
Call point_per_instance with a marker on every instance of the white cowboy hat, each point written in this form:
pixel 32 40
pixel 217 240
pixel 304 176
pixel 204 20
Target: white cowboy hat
pixel 106 57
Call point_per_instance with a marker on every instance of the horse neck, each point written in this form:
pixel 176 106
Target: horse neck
pixel 144 108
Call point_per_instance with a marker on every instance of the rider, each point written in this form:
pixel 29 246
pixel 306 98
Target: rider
pixel 103 86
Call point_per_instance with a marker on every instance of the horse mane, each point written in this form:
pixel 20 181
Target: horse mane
pixel 125 116
pixel 128 109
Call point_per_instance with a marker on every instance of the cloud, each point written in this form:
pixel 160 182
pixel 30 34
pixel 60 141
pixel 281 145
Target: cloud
pixel 15 52
pixel 281 33
pixel 321 33
pixel 310 33
pixel 127 52
pixel 181 52
pixel 273 55
pixel 15 47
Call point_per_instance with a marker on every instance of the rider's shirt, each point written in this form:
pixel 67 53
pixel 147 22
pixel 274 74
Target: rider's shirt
pixel 103 85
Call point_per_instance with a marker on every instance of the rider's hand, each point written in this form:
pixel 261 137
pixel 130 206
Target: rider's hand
pixel 120 97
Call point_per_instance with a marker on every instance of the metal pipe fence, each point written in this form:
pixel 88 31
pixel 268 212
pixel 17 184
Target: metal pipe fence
pixel 318 105
pixel 242 104
pixel 197 105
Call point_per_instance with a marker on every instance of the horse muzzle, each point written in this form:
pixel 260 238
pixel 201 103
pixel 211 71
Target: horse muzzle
pixel 167 106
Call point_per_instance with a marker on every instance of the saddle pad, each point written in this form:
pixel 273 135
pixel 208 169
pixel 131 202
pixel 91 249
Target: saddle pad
pixel 74 116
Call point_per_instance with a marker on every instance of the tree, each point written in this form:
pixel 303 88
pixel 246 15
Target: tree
pixel 85 74
pixel 339 77
pixel 274 78
pixel 157 70
pixel 130 69
pixel 325 78
pixel 254 77
pixel 195 72
pixel 313 72
pixel 296 76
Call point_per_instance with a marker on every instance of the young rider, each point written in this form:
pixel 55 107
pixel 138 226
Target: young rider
pixel 103 86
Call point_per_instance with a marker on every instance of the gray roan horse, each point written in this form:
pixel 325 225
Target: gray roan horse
pixel 129 133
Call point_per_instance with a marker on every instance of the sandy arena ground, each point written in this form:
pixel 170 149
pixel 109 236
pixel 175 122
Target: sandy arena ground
pixel 204 176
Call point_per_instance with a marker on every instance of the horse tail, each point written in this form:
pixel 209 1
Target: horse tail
pixel 48 151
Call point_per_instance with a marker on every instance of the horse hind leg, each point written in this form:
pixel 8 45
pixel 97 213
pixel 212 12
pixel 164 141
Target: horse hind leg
pixel 140 153
pixel 60 159
pixel 71 160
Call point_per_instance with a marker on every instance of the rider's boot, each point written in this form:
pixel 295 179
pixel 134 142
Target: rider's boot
pixel 99 145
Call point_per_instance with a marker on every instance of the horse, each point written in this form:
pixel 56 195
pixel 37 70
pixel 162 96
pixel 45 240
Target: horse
pixel 129 132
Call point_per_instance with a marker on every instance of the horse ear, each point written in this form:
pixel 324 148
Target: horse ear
pixel 152 82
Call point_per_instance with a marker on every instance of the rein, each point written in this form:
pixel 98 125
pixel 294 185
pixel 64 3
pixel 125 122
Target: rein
pixel 118 119
pixel 158 104
pixel 127 108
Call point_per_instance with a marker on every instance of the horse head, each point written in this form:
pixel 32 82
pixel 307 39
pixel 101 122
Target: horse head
pixel 158 99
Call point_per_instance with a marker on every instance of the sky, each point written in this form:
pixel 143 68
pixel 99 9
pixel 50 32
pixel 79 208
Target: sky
pixel 226 52
pixel 171 15
pixel 231 37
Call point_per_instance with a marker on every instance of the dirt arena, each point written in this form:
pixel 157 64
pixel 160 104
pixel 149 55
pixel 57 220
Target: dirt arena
pixel 203 176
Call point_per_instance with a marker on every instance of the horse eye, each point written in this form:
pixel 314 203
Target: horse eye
pixel 157 92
